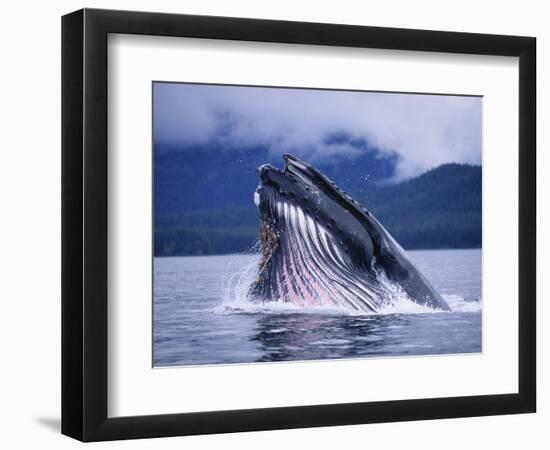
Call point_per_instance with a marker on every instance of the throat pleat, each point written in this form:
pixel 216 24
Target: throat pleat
pixel 311 270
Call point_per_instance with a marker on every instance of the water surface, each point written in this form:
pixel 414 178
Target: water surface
pixel 202 316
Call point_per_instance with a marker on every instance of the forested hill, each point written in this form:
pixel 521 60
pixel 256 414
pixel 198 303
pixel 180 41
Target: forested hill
pixel 439 209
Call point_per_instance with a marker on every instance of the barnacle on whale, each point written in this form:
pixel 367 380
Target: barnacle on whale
pixel 269 243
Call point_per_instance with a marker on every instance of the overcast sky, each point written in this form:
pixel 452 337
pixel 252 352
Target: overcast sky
pixel 424 130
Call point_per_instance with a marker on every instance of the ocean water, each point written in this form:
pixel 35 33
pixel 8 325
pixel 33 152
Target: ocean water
pixel 202 316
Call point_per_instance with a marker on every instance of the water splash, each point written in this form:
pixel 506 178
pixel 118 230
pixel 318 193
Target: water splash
pixel 236 286
pixel 235 297
pixel 460 304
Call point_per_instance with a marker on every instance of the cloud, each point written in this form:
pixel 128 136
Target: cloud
pixel 424 130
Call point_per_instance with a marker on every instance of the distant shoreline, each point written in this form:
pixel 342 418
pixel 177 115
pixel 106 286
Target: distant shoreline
pixel 440 209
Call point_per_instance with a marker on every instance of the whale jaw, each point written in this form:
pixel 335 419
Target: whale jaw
pixel 319 247
pixel 302 264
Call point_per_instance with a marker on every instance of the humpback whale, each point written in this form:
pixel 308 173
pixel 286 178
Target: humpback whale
pixel 320 247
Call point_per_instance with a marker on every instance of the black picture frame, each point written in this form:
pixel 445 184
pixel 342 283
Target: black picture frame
pixel 84 224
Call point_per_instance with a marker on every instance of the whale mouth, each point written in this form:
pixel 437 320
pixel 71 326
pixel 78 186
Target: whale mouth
pixel 299 169
pixel 306 258
pixel 320 247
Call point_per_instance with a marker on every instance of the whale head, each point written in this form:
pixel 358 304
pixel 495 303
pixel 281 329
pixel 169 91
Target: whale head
pixel 320 247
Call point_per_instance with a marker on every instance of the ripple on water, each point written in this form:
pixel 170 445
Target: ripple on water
pixel 197 320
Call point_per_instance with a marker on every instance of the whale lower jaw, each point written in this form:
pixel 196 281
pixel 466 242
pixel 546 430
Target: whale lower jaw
pixel 302 264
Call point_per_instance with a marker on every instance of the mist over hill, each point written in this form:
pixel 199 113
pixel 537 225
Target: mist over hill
pixel 201 211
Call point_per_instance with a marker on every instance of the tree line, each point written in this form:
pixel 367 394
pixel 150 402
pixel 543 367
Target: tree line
pixel 439 209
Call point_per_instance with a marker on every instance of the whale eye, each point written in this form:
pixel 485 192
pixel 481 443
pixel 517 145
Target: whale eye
pixel 304 198
pixel 283 193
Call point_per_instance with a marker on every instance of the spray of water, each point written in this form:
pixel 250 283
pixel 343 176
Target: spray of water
pixel 236 286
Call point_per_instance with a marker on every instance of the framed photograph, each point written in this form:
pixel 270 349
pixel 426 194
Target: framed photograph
pixel 272 224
